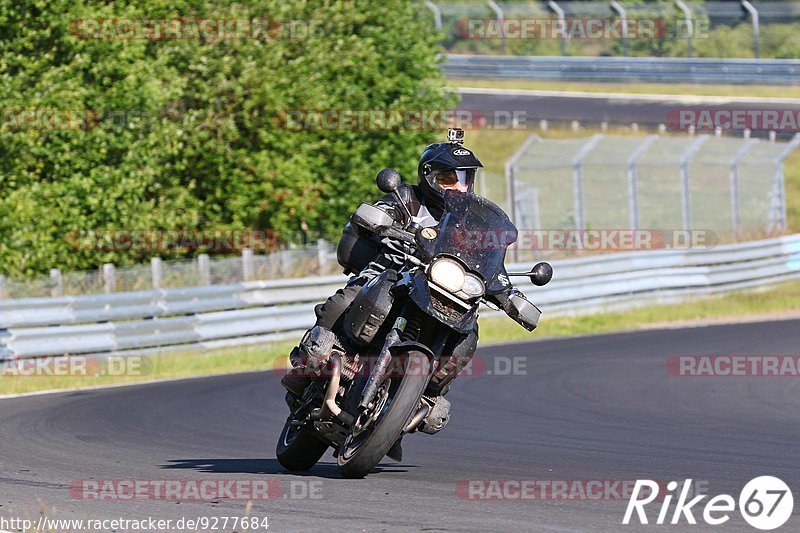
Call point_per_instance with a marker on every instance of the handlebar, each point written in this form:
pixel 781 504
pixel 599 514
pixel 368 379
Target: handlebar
pixel 399 234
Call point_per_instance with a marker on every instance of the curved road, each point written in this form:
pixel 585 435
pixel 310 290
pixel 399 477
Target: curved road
pixel 587 408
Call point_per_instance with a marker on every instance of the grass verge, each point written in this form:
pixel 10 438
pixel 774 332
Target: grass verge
pixel 688 89
pixel 167 365
pixel 780 299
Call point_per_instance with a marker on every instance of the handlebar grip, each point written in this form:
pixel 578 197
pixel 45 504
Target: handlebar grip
pixel 399 234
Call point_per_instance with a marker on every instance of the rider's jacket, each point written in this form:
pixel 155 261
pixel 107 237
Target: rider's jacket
pixel 392 252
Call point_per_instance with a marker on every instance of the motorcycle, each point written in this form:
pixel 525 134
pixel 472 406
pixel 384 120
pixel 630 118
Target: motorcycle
pixel 361 405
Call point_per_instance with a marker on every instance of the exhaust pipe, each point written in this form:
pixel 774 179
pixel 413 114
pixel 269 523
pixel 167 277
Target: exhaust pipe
pixel 329 406
pixel 417 419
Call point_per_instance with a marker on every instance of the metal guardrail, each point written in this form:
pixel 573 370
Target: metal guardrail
pixel 626 69
pixel 261 311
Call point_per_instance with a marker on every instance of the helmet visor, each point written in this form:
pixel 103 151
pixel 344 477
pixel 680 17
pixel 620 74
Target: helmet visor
pixel 457 179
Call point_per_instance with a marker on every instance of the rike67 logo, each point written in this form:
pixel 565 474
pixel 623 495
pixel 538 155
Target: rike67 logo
pixel 765 503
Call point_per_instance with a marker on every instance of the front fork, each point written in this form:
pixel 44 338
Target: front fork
pixel 393 338
pixel 379 370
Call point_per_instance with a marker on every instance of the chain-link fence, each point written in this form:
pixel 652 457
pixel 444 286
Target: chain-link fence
pixel 731 188
pixel 312 260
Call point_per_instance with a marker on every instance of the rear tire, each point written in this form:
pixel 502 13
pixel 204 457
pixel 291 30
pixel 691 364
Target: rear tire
pixel 298 449
pixel 387 428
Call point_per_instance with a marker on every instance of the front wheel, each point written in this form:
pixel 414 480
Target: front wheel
pixel 379 427
pixel 298 449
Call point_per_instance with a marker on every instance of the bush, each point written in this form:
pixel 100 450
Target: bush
pixel 183 133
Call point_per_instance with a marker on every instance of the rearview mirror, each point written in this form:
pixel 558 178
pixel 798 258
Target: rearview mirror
pixel 388 180
pixel 372 218
pixel 540 274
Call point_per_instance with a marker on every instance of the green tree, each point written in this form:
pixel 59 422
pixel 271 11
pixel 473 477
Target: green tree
pixel 183 133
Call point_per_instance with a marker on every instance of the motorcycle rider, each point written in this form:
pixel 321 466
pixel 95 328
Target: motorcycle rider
pixel 442 166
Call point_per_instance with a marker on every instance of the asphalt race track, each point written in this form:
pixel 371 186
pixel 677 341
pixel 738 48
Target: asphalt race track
pixel 586 408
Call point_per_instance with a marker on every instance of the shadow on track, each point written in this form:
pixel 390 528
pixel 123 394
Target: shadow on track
pixel 266 466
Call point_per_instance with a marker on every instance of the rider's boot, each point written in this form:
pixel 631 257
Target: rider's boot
pixel 297 378
pixel 396 451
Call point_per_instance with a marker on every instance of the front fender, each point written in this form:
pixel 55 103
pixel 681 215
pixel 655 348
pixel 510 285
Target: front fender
pixel 407 346
pixel 412 346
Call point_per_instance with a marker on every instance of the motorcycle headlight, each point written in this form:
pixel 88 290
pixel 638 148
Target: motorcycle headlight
pixel 448 274
pixel 473 286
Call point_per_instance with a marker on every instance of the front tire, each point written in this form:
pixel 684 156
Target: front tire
pixel 356 460
pixel 298 449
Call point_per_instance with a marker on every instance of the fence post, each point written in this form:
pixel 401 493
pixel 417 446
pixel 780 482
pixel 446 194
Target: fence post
pixel 560 14
pixel 734 177
pixel 754 16
pixel 500 16
pixel 322 255
pixel 204 267
pixel 577 179
pixel 687 17
pixel 247 264
pixel 3 287
pixel 437 14
pixel 157 272
pixel 528 214
pixel 58 282
pixel 780 185
pixel 286 260
pixel 511 164
pixel 633 177
pixel 624 18
pixel 685 193
pixel 109 278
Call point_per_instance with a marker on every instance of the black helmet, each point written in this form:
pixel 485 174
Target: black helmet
pixel 442 163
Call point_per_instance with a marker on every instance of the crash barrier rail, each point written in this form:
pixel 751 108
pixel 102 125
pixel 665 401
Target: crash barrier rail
pixel 687 23
pixel 721 185
pixel 626 69
pixel 261 311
